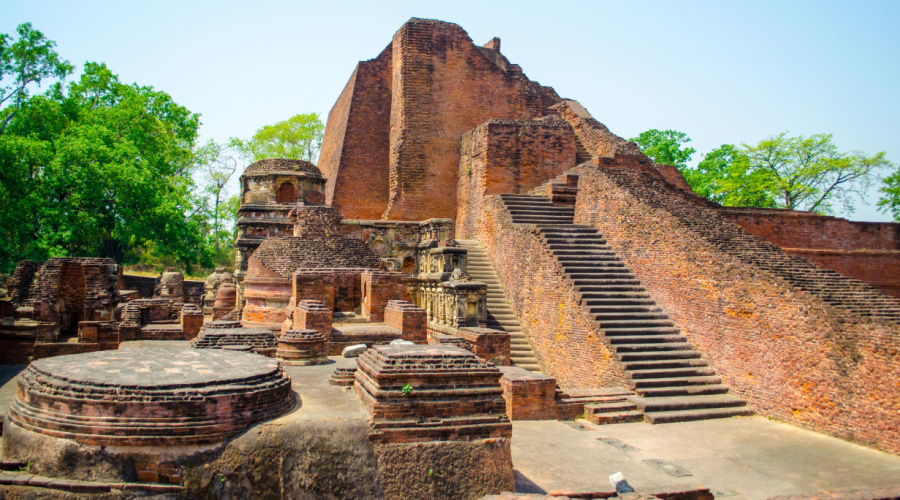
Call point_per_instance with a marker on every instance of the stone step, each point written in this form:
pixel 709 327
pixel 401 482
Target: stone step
pixel 659 346
pixel 599 293
pixel 646 339
pixel 574 246
pixel 636 322
pixel 657 355
pixel 613 332
pixel 619 417
pixel 662 364
pixel 541 210
pixel 665 417
pixel 586 239
pixel 625 310
pixel 595 298
pixel 676 403
pixel 688 390
pixel 626 316
pixel 603 277
pixel 609 407
pixel 569 229
pixel 656 373
pixel 594 265
pixel 647 383
pixel 595 287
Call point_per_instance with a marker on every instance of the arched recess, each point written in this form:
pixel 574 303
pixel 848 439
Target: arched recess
pixel 286 193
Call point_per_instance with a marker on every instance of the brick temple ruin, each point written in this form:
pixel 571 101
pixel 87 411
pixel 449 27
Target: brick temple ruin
pixel 502 256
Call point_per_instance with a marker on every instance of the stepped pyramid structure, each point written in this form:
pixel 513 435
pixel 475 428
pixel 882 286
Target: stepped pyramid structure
pixel 613 280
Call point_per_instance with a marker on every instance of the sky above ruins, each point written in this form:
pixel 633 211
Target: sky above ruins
pixel 722 72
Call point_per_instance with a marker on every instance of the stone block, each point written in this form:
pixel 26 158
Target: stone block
pixel 408 318
pixel 417 393
pixel 529 395
pixel 313 315
pixel 302 347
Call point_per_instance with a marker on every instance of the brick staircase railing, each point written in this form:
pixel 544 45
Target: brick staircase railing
pixel 831 287
pixel 670 377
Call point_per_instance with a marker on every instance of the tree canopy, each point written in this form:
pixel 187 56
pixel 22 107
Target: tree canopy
pixel 890 199
pixel 297 138
pixel 797 173
pixel 664 147
pixel 95 168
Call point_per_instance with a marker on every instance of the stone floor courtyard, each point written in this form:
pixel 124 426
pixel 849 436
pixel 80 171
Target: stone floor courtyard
pixel 740 458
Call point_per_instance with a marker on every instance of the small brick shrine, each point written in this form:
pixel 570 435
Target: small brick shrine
pixel 420 393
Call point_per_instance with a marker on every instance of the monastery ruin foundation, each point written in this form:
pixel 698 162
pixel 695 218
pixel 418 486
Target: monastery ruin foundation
pixel 496 254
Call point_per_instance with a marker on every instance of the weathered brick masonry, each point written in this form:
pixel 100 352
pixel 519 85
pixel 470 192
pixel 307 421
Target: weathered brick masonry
pixel 509 156
pixel 391 148
pixel 793 355
pixel 355 148
pixel 869 251
pixel 564 338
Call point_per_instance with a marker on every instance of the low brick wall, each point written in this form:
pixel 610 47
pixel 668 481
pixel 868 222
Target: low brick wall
pixel 790 354
pixel 528 395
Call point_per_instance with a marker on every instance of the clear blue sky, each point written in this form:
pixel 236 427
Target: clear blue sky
pixel 720 71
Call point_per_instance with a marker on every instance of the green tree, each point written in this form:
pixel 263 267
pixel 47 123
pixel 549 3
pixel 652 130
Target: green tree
pixel 297 138
pixel 890 199
pixel 98 169
pixel 665 147
pixel 724 176
pixel 27 61
pixel 219 165
pixel 806 173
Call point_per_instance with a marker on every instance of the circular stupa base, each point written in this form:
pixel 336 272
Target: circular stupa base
pixel 302 347
pixel 150 397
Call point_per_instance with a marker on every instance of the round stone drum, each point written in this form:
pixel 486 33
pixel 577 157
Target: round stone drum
pixel 302 347
pixel 150 397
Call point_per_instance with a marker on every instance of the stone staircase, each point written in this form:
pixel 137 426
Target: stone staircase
pixel 833 288
pixel 672 381
pixel 500 314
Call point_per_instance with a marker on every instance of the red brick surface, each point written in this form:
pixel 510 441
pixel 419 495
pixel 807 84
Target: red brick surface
pixel 790 354
pixel 507 156
pixel 565 339
pixel 410 106
pixel 354 155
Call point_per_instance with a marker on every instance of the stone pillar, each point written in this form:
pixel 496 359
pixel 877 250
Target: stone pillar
pixel 409 319
pixel 191 321
pixel 313 315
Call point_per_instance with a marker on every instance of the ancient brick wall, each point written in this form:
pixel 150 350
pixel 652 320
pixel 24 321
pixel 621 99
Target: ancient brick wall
pixel 564 337
pixel 354 155
pixel 379 288
pixel 868 251
pixel 879 268
pixel 792 229
pixel 509 156
pixel 391 145
pixel 598 140
pixel 443 86
pixel 789 353
pixel 144 285
pixel 673 176
pixel 19 284
pixel 316 221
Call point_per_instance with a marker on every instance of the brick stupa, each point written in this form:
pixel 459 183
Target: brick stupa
pixel 149 397
pixel 418 393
